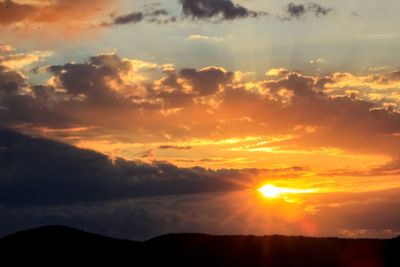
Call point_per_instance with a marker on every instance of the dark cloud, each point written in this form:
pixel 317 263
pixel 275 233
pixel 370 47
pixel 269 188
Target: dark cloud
pixel 318 10
pixel 175 147
pixel 159 16
pixel 11 81
pixel 195 9
pixel 207 81
pixel 89 79
pixel 130 18
pixel 19 107
pixel 301 86
pixel 296 10
pixel 224 9
pixel 40 172
pixel 148 154
pixel 299 10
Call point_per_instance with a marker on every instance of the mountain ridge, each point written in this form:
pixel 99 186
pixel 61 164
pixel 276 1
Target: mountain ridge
pixel 49 245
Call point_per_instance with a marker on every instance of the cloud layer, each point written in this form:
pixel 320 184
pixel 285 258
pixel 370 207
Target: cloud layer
pixel 158 104
pixel 32 177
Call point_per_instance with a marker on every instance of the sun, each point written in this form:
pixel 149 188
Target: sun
pixel 272 191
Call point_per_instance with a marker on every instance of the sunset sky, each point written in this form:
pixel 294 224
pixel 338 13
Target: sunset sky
pixel 134 118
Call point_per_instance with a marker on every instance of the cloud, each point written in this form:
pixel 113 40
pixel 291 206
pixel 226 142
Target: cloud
pixel 130 18
pixel 49 19
pixel 103 78
pixel 10 81
pixel 175 147
pixel 205 38
pixel 123 97
pixel 30 175
pixel 19 60
pixel 277 72
pixel 11 12
pixel 45 11
pixel 222 9
pixel 318 61
pixel 300 10
pixel 6 48
pixel 159 16
pixel 207 80
pixel 149 154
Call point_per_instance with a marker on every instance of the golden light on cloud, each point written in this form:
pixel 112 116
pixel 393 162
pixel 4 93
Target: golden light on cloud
pixel 272 191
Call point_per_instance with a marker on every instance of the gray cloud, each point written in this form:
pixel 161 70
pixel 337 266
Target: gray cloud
pixel 19 107
pixel 89 79
pixel 10 81
pixel 195 9
pixel 207 81
pixel 159 16
pixel 223 9
pixel 130 18
pixel 213 10
pixel 175 147
pixel 40 172
pixel 300 10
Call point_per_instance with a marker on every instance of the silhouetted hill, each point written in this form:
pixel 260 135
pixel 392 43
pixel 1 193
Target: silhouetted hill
pixel 56 245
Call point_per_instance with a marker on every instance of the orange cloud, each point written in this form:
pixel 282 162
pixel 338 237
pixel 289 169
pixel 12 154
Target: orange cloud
pixel 49 18
pixel 291 118
pixel 6 48
pixel 17 61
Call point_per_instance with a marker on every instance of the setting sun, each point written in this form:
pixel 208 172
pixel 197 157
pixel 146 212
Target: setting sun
pixel 139 118
pixel 272 191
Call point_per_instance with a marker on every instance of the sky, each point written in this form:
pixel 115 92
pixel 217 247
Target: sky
pixel 136 118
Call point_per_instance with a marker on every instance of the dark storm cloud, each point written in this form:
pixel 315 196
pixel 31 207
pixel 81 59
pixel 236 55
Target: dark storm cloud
pixel 40 172
pixel 207 81
pixel 207 9
pixel 299 10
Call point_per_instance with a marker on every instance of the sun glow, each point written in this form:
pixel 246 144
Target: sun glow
pixel 272 191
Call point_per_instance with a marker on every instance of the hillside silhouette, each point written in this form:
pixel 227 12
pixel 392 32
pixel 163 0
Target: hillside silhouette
pixel 59 245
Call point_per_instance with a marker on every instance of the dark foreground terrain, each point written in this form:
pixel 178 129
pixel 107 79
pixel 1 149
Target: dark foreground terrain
pixel 58 245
